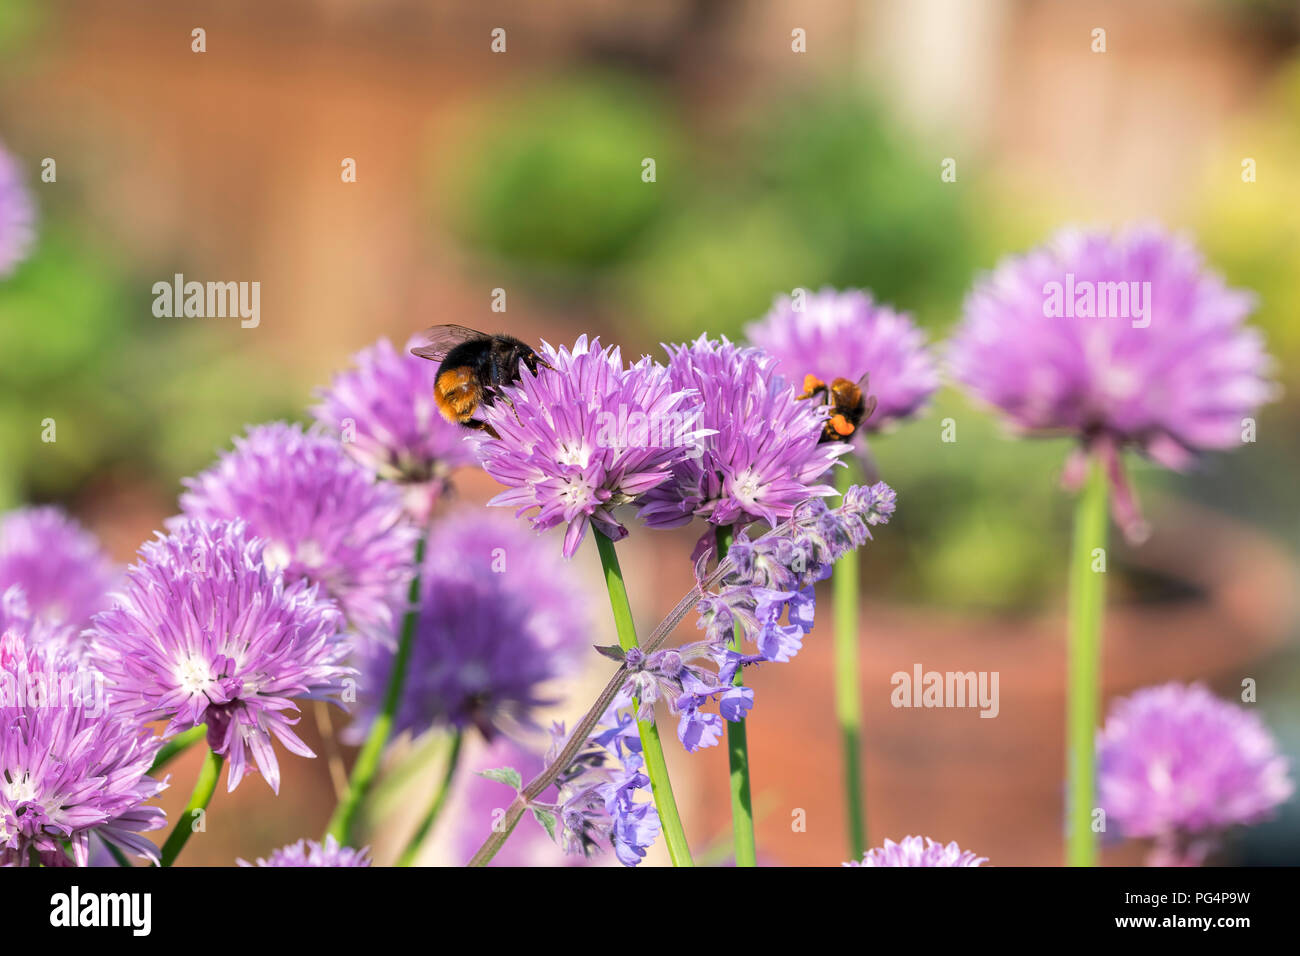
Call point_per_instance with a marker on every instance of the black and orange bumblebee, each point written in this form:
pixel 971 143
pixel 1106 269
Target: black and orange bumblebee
pixel 849 403
pixel 473 369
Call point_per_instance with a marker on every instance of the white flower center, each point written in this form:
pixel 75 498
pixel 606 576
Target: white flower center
pixel 746 486
pixel 20 789
pixel 578 455
pixel 276 556
pixel 194 675
pixel 577 493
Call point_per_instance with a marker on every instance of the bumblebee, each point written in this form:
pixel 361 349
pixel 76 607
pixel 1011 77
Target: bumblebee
pixel 849 404
pixel 474 368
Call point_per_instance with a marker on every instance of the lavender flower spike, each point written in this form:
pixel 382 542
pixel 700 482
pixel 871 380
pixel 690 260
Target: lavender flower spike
pixel 587 435
pixel 205 632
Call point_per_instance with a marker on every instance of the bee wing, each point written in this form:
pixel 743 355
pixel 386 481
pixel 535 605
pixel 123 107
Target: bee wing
pixel 441 339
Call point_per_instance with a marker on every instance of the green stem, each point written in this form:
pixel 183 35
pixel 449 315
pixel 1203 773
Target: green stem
pixel 439 801
pixel 848 699
pixel 177 746
pixel 1087 604
pixel 204 787
pixel 343 823
pixel 651 747
pixel 742 806
pixel 118 856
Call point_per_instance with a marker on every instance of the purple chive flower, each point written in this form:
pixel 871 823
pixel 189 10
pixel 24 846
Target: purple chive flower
pixel 17 215
pixel 915 851
pixel 1120 339
pixel 1178 765
pixel 205 632
pixel 69 767
pixel 383 410
pixel 587 435
pixel 492 631
pixel 323 518
pixel 830 335
pixel 64 573
pixel 764 454
pixel 310 853
pixel 768 592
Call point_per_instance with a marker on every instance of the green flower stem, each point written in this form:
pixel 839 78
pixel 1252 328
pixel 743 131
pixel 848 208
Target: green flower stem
pixel 651 747
pixel 343 823
pixel 742 807
pixel 177 746
pixel 582 730
pixel 848 699
pixel 118 856
pixel 1087 605
pixel 439 801
pixel 204 787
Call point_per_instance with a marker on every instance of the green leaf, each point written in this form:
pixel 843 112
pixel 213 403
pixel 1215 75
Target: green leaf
pixel 546 819
pixel 507 775
pixel 612 651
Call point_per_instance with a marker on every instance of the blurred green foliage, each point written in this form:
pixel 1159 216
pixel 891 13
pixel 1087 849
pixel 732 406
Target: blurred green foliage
pixel 817 189
pixel 551 183
pixel 126 391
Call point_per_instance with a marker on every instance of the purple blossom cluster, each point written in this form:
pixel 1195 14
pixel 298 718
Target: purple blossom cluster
pixel 1121 339
pixel 761 453
pixel 324 519
pixel 384 413
pixel 70 767
pixel 587 435
pixel 63 572
pixel 491 634
pixel 17 215
pixel 916 851
pixel 1179 766
pixel 307 853
pixel 205 632
pixel 832 334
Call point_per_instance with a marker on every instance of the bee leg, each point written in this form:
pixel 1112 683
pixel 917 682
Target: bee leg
pixel 506 399
pixel 481 426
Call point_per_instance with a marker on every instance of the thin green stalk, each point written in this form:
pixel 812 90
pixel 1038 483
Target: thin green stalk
pixel 204 787
pixel 742 806
pixel 177 746
pixel 582 729
pixel 439 801
pixel 118 856
pixel 651 747
pixel 1087 605
pixel 848 698
pixel 343 823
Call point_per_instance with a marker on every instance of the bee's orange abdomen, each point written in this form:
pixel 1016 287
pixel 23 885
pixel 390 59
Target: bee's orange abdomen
pixel 457 392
